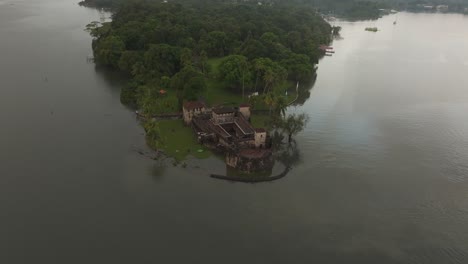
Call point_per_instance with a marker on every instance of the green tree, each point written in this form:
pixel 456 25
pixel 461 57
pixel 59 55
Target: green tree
pixel 165 82
pixel 108 50
pixel 293 124
pixel 98 30
pixel 269 72
pixel 188 83
pixel 294 40
pixel 194 87
pixel 186 57
pixel 270 101
pixel 299 66
pixel 203 61
pixel 234 70
pixel 152 133
pixel 128 59
pixel 216 41
pixel 252 49
pixel 161 59
pixel 281 104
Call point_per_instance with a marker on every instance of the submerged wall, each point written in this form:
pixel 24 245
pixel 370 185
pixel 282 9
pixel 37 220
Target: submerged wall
pixel 250 160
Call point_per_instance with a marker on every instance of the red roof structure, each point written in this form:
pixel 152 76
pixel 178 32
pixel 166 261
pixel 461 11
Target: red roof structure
pixel 191 105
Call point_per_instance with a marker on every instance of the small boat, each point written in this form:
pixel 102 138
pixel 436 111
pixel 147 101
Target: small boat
pixel 372 29
pixel 325 48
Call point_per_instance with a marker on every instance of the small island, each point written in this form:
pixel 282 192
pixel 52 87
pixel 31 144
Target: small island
pixel 229 70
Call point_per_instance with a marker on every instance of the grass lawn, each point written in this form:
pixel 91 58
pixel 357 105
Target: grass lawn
pixel 178 141
pixel 216 94
pixel 261 121
pixel 165 104
pixel 214 64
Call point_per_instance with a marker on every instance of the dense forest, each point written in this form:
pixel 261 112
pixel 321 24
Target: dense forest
pixel 217 51
pixel 189 50
pixel 373 9
pixel 455 6
pixel 100 3
pixel 349 9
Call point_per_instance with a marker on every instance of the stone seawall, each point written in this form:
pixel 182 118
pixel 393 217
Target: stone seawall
pixel 250 160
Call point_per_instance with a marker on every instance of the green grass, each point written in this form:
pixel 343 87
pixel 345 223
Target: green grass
pixel 216 93
pixel 178 141
pixel 214 64
pixel 261 121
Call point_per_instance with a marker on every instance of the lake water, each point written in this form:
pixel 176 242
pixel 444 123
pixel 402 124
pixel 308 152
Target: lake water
pixel 382 176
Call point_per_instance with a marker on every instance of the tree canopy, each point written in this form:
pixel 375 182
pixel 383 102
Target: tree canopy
pixel 293 124
pixel 262 46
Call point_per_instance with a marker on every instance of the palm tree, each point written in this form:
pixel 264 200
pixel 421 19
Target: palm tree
pixel 270 101
pixel 281 105
pixel 268 78
pixel 243 65
pixel 259 67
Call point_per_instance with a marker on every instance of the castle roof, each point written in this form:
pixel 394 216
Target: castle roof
pixel 191 105
pixel 244 125
pixel 223 110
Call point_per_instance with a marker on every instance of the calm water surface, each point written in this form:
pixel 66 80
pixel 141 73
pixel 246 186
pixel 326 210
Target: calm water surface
pixel 383 174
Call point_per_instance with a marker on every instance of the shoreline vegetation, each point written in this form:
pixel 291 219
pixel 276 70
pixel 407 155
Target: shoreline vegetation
pixel 223 53
pixel 220 53
pixel 106 4
pixel 351 10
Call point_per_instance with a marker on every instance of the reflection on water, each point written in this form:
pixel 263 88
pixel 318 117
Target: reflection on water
pixel 304 91
pixel 388 111
pixel 379 174
pixel 114 79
